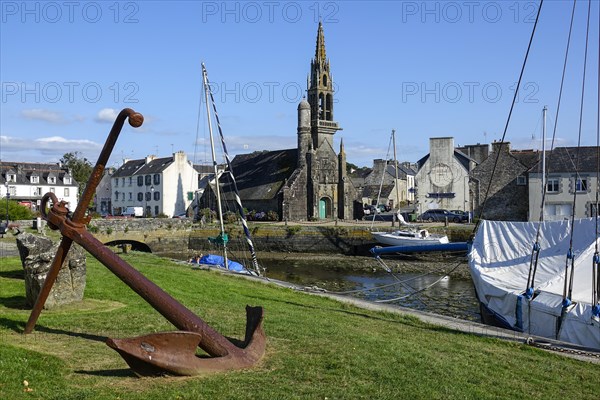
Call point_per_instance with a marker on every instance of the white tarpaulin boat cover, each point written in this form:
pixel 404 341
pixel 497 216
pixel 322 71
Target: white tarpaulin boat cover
pixel 499 262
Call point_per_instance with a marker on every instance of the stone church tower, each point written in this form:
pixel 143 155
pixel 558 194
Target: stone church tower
pixel 319 187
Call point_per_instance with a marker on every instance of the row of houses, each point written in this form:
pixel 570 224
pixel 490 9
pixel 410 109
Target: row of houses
pixel 503 183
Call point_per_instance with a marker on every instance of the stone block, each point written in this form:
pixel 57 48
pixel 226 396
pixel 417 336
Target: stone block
pixel 36 254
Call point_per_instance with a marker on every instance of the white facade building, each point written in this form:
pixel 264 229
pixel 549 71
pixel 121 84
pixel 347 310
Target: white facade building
pixel 442 177
pixel 159 185
pixel 27 183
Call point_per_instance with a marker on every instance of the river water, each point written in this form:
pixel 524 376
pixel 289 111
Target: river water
pixel 432 292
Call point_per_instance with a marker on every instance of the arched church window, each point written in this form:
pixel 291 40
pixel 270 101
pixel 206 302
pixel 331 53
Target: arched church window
pixel 325 80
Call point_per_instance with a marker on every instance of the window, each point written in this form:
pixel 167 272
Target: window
pixel 52 180
pixel 140 196
pixel 156 209
pixel 521 180
pixel 35 179
pixel 117 182
pixel 11 178
pixel 157 179
pixel 67 180
pixel 140 180
pixel 148 180
pixel 148 196
pixel 130 196
pixel 66 192
pixel 581 185
pixel 130 180
pixel 156 196
pixel 37 191
pixel 52 190
pixel 123 196
pixel 12 190
pixel 552 185
pixel 593 210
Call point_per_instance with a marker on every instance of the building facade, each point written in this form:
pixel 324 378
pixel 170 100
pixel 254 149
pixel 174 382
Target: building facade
pixel 27 183
pixel 571 180
pixel 388 183
pixel 159 185
pixel 442 178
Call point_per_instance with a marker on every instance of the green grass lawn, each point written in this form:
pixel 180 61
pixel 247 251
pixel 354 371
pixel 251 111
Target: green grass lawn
pixel 317 348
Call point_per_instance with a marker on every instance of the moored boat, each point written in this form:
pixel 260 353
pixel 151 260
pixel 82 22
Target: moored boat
pixel 412 237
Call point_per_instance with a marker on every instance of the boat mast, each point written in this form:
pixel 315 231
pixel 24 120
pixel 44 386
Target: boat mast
pixel 543 157
pixel 396 165
pixel 223 236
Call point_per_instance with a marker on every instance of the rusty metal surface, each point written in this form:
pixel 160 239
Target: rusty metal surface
pixel 173 352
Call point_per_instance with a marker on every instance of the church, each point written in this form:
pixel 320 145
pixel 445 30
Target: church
pixel 307 183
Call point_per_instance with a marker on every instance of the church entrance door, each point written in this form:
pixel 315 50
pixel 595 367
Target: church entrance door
pixel 324 208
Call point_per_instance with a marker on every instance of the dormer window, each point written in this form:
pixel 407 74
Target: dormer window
pixel 67 179
pixel 11 177
pixel 52 179
pixel 34 179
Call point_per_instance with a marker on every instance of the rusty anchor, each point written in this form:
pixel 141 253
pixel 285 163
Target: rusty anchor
pixel 160 353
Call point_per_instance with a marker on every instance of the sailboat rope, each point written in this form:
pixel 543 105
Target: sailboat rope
pixel 596 258
pixel 514 100
pixel 238 201
pixel 567 293
pixel 387 157
pixel 533 264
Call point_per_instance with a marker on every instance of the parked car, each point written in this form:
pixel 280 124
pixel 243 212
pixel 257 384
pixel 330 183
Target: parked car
pixel 370 210
pixel 440 215
pixel 464 215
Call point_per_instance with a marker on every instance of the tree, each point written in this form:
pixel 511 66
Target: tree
pixel 80 167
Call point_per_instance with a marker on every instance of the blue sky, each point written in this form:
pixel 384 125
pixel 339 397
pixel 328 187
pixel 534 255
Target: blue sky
pixel 425 69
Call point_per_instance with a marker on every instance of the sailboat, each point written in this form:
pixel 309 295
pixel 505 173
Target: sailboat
pixel 543 278
pixel 409 235
pixel 213 260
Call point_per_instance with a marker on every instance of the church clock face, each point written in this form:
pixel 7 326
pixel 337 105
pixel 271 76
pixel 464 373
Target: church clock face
pixel 441 175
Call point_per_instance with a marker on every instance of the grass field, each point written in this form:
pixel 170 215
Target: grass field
pixel 317 348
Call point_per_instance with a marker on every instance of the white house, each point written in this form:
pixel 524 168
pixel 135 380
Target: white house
pixel 159 185
pixel 442 177
pixel 393 191
pixel 27 183
pixel 569 170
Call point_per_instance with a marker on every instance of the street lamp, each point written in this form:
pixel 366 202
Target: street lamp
pixel 151 195
pixel 7 198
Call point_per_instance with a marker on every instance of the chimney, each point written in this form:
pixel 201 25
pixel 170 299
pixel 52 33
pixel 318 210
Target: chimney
pixel 501 146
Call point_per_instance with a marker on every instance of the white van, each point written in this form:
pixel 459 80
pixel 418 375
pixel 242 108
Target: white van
pixel 133 212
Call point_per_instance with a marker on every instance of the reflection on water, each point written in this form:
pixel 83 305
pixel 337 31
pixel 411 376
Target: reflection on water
pixel 441 295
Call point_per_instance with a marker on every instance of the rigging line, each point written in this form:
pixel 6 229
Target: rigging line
pixel 530 284
pixel 418 291
pixel 387 156
pixel 389 271
pixel 514 100
pixel 570 255
pixel 234 184
pixel 596 258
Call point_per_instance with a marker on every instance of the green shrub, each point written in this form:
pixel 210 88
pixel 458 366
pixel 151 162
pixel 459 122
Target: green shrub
pixel 293 229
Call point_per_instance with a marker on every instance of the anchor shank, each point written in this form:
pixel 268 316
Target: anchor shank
pixel 184 319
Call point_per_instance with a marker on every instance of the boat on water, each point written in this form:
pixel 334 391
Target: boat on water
pixel 500 261
pixel 409 237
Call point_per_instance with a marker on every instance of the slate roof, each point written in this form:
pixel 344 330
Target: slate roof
pixel 570 159
pixel 139 167
pixel 260 175
pixel 463 159
pixel 371 191
pixel 24 171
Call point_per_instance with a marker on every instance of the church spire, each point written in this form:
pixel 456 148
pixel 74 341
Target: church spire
pixel 320 55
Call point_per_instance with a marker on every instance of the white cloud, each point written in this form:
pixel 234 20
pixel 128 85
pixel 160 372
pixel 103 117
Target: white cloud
pixel 47 148
pixel 106 115
pixel 43 115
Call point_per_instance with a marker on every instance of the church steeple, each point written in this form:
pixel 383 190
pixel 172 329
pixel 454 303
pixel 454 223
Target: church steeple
pixel 320 94
pixel 320 51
